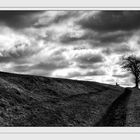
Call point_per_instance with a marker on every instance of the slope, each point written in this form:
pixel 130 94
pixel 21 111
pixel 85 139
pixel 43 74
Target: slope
pixel 27 100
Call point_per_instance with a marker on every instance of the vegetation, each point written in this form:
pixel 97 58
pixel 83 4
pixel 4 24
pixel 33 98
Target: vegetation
pixel 27 100
pixel 132 64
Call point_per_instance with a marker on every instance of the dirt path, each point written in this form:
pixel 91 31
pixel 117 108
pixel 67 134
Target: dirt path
pixel 117 112
pixel 133 113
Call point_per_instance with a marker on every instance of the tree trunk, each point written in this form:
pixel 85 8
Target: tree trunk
pixel 136 85
pixel 137 82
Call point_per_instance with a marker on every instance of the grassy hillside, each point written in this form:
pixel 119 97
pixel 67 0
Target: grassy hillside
pixel 27 100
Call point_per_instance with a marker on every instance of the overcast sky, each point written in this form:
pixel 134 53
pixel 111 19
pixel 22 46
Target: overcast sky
pixel 85 45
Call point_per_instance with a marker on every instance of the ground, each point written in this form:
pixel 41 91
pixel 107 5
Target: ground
pixel 27 100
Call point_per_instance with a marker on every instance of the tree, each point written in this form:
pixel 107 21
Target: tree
pixel 132 63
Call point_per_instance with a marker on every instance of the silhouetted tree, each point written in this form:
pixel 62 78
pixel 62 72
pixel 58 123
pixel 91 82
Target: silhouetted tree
pixel 132 64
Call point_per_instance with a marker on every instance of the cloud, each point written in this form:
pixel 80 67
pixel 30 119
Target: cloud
pixel 121 75
pixel 45 63
pixel 87 66
pixel 20 51
pixel 16 55
pixel 41 68
pixel 50 66
pixel 58 17
pixel 89 73
pixel 117 49
pixel 21 68
pixel 70 44
pixel 96 39
pixel 29 69
pixel 108 21
pixel 18 19
pixel 68 39
pixel 89 58
pixel 113 37
pixel 96 73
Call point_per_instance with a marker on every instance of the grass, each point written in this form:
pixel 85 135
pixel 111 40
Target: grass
pixel 27 100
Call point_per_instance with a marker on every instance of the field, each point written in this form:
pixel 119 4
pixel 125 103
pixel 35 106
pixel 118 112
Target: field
pixel 27 100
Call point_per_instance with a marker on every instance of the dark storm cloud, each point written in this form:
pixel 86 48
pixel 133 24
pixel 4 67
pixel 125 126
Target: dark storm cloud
pixel 51 66
pixel 60 18
pixel 25 68
pixel 116 37
pixel 67 39
pixel 18 19
pixel 87 66
pixel 97 39
pixel 108 21
pixel 14 57
pixel 89 59
pixel 21 68
pixel 122 49
pixel 46 67
pixel 65 16
pixel 56 61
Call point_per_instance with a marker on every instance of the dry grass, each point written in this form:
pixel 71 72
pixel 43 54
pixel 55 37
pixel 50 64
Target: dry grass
pixel 39 101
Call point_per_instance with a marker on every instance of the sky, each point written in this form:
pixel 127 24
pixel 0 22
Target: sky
pixel 83 45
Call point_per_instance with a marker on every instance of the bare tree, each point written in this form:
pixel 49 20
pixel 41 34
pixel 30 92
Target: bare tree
pixel 132 64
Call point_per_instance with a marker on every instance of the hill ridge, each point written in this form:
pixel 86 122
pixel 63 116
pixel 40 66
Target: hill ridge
pixel 29 100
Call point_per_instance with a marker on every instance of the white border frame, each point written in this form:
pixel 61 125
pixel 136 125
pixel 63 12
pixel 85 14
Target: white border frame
pixel 73 8
pixel 69 130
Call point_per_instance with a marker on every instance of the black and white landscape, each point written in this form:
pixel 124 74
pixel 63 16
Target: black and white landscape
pixel 69 68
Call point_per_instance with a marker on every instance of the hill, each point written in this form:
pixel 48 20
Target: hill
pixel 27 100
